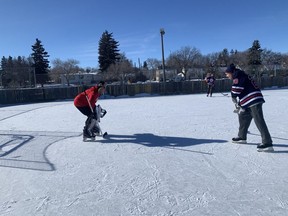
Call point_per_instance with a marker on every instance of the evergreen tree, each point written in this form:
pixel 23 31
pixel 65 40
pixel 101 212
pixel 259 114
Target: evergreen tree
pixel 254 58
pixel 145 65
pixel 15 72
pixel 3 71
pixel 41 63
pixel 7 71
pixel 223 58
pixel 108 51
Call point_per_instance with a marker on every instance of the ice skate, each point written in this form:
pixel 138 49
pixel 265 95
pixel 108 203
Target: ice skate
pixel 92 125
pixel 96 130
pixel 265 148
pixel 88 136
pixel 239 140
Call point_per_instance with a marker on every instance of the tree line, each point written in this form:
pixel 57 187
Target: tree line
pixel 115 66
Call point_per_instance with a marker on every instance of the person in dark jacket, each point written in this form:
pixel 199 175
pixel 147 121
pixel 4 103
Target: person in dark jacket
pixel 248 99
pixel 85 102
pixel 210 80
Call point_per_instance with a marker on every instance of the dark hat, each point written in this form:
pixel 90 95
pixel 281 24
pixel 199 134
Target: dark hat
pixel 101 84
pixel 230 69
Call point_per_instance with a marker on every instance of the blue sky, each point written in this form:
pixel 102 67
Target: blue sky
pixel 72 29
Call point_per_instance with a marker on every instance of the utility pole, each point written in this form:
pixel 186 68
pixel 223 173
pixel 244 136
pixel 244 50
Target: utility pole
pixel 162 32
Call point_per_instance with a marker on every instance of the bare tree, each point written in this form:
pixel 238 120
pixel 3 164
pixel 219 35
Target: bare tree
pixel 184 59
pixel 64 69
pixel 152 65
pixel 119 71
pixel 271 61
pixel 211 63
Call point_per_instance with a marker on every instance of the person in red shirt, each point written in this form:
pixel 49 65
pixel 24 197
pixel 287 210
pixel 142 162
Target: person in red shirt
pixel 85 102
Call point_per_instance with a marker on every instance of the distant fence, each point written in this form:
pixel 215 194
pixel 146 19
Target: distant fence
pixel 32 95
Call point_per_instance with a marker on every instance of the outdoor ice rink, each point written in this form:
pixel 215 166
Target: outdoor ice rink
pixel 164 156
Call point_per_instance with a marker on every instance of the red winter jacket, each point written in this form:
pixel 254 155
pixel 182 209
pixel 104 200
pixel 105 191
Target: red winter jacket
pixel 92 94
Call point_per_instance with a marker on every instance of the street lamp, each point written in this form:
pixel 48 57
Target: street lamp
pixel 162 32
pixel 34 73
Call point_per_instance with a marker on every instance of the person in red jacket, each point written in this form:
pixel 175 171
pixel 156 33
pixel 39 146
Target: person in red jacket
pixel 85 102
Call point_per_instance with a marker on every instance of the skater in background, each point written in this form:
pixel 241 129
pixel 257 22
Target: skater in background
pixel 249 103
pixel 210 80
pixel 85 102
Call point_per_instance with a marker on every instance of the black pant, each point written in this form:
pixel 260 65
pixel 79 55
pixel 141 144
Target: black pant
pixel 210 90
pixel 245 119
pixel 85 111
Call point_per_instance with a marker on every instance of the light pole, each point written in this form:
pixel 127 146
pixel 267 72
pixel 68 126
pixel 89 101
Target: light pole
pixel 34 73
pixel 162 32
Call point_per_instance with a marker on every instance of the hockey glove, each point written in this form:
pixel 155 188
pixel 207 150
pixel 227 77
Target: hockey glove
pixel 234 100
pixel 241 110
pixel 238 109
pixel 103 113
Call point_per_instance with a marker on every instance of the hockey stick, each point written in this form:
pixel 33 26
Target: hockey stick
pixel 89 102
pixel 224 94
